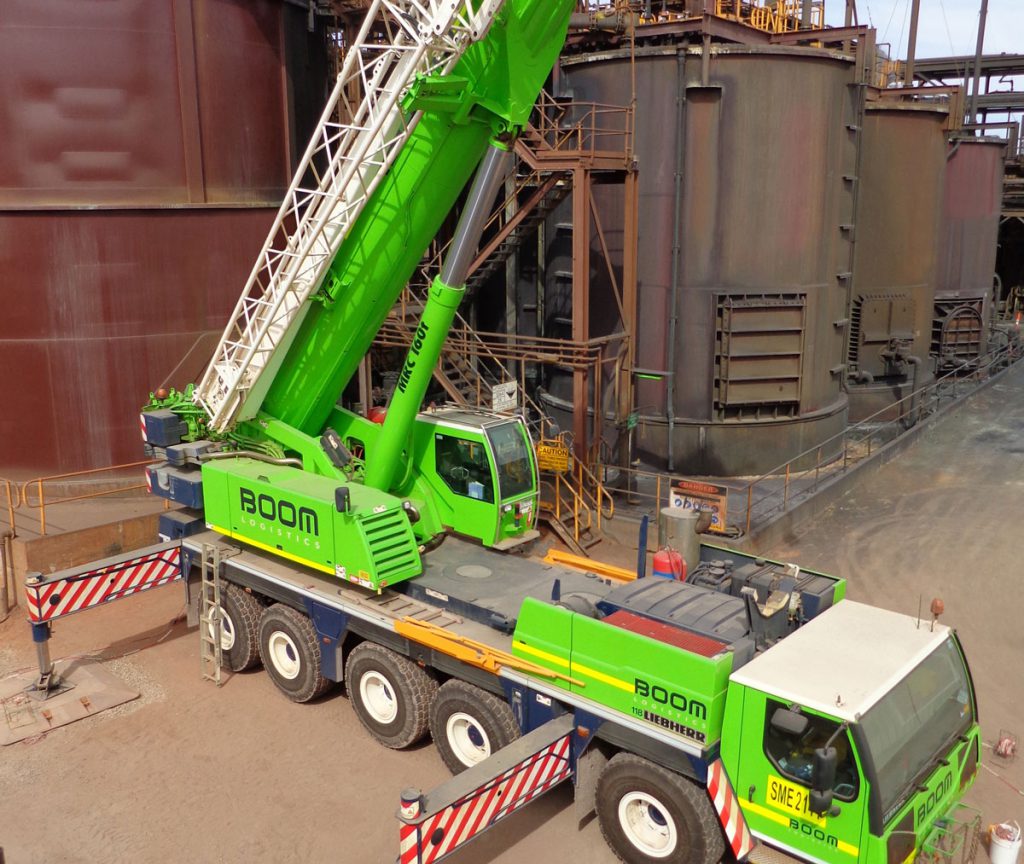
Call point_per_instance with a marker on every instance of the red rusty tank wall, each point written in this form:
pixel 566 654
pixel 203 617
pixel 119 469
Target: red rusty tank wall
pixel 763 149
pixel 99 309
pixel 970 224
pixel 147 144
pixel 899 209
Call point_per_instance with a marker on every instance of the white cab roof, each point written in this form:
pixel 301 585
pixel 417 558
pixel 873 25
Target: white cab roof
pixel 844 660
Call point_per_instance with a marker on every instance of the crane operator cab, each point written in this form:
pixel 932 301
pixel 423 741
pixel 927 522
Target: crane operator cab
pixel 483 474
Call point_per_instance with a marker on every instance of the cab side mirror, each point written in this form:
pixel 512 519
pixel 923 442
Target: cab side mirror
pixel 788 721
pixel 342 499
pixel 823 778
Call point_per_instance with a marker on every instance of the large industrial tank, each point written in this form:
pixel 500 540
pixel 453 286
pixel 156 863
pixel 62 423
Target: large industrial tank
pixel 741 260
pixel 146 148
pixel 967 261
pixel 897 230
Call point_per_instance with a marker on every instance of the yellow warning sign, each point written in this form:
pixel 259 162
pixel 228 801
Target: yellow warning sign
pixel 553 457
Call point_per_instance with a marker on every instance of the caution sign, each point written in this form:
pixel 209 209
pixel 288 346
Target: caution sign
pixel 552 456
pixel 697 495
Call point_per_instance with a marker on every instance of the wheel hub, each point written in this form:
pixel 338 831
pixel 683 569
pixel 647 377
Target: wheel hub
pixel 284 655
pixel 647 824
pixel 378 696
pixel 467 738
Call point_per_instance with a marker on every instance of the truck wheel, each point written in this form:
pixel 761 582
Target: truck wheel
pixel 290 651
pixel 469 724
pixel 649 814
pixel 239 630
pixel 390 694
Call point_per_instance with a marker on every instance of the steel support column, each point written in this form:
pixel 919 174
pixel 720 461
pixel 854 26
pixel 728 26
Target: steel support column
pixel 580 300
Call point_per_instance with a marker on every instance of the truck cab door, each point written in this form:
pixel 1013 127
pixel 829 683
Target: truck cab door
pixel 467 487
pixel 773 783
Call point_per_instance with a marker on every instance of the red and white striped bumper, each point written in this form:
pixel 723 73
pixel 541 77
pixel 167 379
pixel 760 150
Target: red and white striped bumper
pixel 80 588
pixel 431 836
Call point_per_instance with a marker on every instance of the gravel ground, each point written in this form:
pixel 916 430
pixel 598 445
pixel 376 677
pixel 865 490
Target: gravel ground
pixel 195 773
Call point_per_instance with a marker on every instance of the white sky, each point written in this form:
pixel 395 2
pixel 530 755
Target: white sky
pixel 944 23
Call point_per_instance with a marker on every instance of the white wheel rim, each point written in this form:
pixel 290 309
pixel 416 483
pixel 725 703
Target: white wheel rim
pixel 284 655
pixel 227 630
pixel 378 697
pixel 467 738
pixel 647 824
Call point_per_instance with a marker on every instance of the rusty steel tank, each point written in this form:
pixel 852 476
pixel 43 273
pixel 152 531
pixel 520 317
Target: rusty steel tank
pixel 967 261
pixel 742 249
pixel 141 169
pixel 897 231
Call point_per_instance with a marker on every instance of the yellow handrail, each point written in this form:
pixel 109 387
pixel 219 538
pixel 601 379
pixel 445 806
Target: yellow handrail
pixel 41 503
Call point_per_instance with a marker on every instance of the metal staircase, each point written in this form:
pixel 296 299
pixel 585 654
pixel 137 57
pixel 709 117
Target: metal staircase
pixel 574 502
pixel 343 165
pixel 562 137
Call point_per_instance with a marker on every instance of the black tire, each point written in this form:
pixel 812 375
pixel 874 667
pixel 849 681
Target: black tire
pixel 650 815
pixel 290 651
pixel 240 629
pixel 469 724
pixel 390 694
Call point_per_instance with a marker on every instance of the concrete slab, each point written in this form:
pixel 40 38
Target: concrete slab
pixel 90 689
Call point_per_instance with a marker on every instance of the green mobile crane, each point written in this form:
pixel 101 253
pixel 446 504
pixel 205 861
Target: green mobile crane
pixel 747 710
pixel 281 465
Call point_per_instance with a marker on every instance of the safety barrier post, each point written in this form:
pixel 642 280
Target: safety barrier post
pixel 49 683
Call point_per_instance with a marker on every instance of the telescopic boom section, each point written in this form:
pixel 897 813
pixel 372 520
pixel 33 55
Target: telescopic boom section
pixel 343 165
pixel 384 462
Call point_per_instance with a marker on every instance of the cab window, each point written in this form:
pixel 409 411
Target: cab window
pixel 793 755
pixel 464 467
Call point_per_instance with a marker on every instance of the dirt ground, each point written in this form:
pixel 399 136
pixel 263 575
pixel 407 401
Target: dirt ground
pixel 190 772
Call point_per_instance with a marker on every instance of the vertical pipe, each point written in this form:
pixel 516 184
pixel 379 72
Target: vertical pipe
pixel 677 217
pixel 973 112
pixel 908 73
pixel 851 11
pixel 805 16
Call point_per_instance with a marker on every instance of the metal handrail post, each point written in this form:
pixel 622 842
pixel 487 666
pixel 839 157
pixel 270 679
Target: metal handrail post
pixel 42 508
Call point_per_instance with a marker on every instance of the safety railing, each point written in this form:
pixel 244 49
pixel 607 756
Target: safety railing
pixel 754 502
pixel 581 129
pixel 643 491
pixel 33 493
pixel 774 16
pixel 10 500
pixel 783 487
pixel 566 501
pixel 588 501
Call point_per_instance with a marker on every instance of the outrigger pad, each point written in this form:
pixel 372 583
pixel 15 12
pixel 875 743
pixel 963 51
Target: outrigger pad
pixel 91 689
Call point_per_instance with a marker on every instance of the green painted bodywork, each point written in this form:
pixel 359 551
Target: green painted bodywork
pixel 845 835
pixel 661 684
pixel 286 511
pixel 503 73
pixel 487 98
pixel 420 481
pixel 693 699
